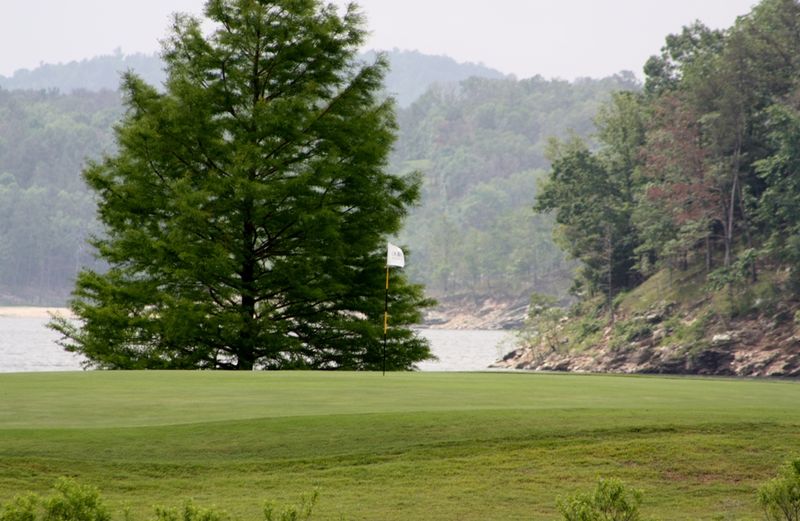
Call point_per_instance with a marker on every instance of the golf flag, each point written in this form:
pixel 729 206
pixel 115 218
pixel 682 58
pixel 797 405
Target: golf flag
pixel 394 256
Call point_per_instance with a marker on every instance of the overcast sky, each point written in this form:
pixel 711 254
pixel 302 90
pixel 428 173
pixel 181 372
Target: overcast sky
pixel 553 38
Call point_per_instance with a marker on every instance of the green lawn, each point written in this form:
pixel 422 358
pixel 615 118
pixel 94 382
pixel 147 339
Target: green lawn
pixel 409 446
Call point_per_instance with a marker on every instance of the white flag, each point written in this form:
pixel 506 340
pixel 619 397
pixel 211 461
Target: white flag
pixel 394 256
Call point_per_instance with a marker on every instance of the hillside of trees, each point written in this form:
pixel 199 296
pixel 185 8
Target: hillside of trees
pixel 46 213
pixel 694 186
pixel 479 145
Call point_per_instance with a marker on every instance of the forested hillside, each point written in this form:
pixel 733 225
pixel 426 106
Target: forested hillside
pixel 55 118
pixel 46 213
pixel 694 192
pixel 93 74
pixel 481 147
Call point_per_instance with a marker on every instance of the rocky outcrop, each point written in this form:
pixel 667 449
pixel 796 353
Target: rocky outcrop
pixel 755 346
pixel 473 312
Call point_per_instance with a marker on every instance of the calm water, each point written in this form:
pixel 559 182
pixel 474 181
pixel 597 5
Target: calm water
pixel 27 345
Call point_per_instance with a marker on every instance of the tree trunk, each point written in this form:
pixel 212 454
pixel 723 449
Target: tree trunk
pixel 728 232
pixel 610 280
pixel 246 348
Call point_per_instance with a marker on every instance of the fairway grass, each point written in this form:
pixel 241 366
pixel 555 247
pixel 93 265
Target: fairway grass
pixel 407 446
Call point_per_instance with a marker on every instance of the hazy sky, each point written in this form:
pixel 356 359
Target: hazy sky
pixel 554 38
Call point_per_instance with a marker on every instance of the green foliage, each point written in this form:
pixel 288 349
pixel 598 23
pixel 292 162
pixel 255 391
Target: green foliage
pixel 246 212
pixel 46 214
pixel 74 502
pixel 301 512
pixel 542 328
pixel 611 500
pixel 679 55
pixel 21 508
pixel 778 210
pixel 591 198
pixel 686 333
pixel 189 512
pixel 585 324
pixel 632 330
pixel 700 166
pixel 780 497
pixel 483 150
pixel 734 290
pixel 735 274
pixel 46 137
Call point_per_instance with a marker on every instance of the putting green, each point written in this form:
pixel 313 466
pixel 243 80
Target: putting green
pixel 404 446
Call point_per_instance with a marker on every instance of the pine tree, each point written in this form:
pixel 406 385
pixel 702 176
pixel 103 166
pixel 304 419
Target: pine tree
pixel 247 207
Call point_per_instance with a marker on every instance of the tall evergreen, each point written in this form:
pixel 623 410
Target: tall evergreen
pixel 247 207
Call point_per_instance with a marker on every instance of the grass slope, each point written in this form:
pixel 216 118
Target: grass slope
pixel 410 446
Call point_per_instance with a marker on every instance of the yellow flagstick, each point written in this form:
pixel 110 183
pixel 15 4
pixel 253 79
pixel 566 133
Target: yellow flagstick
pixel 394 257
pixel 385 319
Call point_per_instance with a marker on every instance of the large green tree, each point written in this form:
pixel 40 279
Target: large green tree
pixel 592 196
pixel 247 207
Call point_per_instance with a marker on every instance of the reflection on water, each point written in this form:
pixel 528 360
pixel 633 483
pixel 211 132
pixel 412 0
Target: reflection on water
pixel 27 345
pixel 465 350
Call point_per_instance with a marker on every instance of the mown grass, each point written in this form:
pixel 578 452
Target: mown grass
pixel 419 446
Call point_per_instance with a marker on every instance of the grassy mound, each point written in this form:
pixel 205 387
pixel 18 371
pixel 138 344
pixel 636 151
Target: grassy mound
pixel 401 447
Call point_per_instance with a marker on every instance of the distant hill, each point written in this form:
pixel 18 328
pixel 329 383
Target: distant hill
pixel 92 74
pixel 480 146
pixel 411 73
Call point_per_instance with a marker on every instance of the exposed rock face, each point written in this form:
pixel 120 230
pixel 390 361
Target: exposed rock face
pixel 476 313
pixel 745 347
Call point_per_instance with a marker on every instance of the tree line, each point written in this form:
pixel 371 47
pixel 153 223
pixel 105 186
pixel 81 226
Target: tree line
pixel 479 145
pixel 46 212
pixel 700 167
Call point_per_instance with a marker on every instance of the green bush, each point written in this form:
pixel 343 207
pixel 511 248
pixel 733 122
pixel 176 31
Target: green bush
pixel 300 512
pixel 543 325
pixel 629 331
pixel 780 497
pixel 74 502
pixel 21 508
pixel 610 501
pixel 189 513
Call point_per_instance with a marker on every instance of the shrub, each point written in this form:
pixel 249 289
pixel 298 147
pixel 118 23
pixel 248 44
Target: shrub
pixel 610 501
pixel 780 497
pixel 189 513
pixel 73 502
pixel 76 502
pixel 542 326
pixel 300 512
pixel 21 508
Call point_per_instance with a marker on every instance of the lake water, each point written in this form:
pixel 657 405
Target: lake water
pixel 27 345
